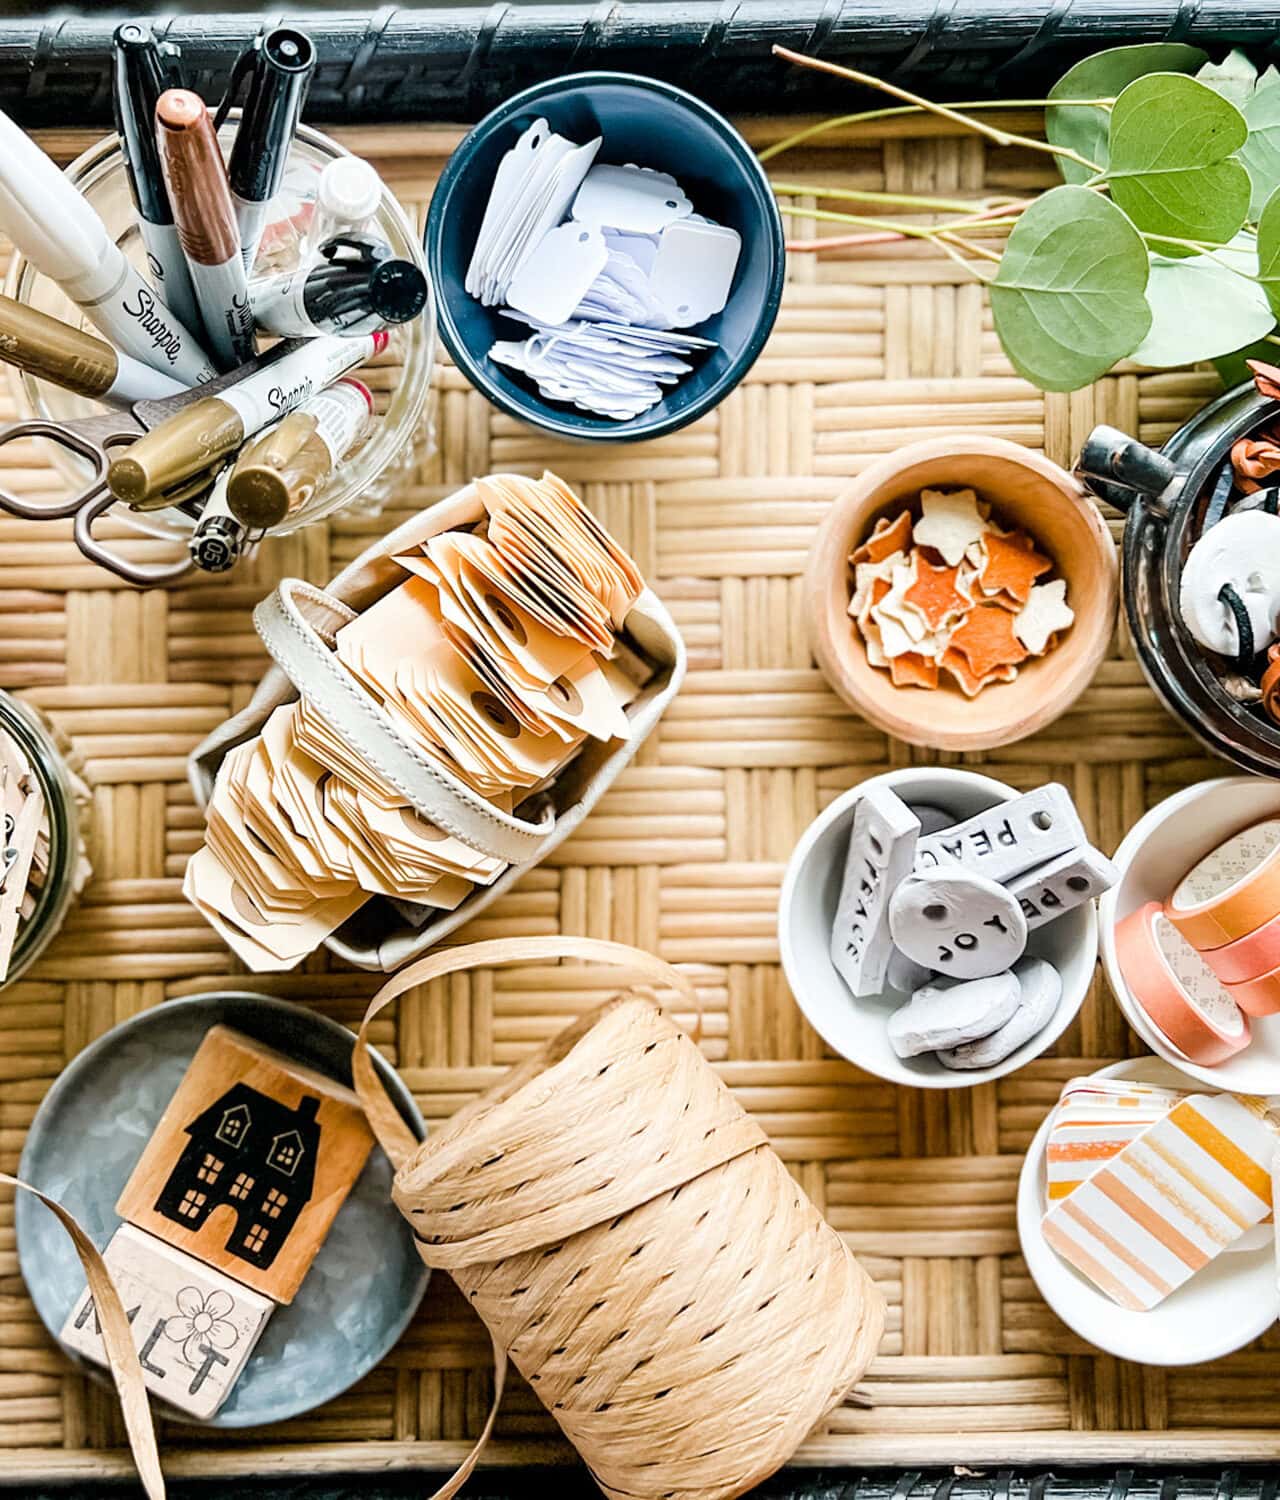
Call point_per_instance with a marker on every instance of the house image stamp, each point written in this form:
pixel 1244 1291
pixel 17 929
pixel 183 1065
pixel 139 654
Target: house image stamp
pixel 250 1163
pixel 254 1154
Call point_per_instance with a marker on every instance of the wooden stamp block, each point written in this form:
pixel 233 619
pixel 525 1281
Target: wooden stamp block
pixel 193 1327
pixel 249 1164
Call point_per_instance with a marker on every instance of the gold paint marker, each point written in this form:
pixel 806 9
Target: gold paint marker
pixel 201 434
pixel 278 472
pixel 54 351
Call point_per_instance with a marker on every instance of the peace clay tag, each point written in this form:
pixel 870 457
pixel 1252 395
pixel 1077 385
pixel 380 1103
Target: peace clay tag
pixel 959 924
pixel 1009 838
pixel 1062 884
pixel 881 850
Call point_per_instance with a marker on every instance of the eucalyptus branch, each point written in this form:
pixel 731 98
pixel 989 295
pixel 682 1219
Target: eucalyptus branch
pixel 1201 247
pixel 992 132
pixel 870 116
pixel 898 200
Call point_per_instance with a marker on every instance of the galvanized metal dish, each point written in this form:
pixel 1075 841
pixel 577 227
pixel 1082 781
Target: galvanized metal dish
pixel 367 1280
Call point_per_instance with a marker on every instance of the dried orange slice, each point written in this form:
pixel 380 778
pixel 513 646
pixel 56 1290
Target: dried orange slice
pixel 1012 564
pixel 936 594
pixel 986 640
pixel 887 538
pixel 913 670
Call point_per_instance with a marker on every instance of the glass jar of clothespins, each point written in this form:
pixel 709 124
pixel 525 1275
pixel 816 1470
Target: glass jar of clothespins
pixel 399 438
pixel 44 810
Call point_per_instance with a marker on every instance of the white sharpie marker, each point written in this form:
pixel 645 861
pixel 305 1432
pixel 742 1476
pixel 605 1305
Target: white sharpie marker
pixel 64 239
pixel 201 434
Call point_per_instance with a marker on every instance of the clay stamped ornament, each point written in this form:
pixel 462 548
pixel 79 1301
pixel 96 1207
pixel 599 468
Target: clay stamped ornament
pixel 959 924
pixel 944 1015
pixel 1039 990
pixel 881 851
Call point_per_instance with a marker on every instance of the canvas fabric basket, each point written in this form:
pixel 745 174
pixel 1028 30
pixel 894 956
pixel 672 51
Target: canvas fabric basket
pixel 297 623
pixel 633 1243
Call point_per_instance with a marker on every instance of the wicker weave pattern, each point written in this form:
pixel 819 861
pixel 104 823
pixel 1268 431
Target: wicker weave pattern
pixel 683 858
pixel 627 1234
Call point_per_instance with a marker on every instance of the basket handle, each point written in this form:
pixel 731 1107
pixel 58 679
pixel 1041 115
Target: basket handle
pixel 297 623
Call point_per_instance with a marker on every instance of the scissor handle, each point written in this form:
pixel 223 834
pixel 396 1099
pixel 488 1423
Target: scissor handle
pixel 75 440
pixel 140 577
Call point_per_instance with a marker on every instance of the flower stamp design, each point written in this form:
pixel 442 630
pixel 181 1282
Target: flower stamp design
pixel 202 1321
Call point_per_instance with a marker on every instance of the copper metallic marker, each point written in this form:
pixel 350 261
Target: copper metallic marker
pixel 206 218
pixel 54 351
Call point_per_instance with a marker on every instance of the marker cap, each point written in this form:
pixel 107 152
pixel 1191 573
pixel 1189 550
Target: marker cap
pixel 50 223
pixel 276 473
pixel 192 440
pixel 196 178
pixel 397 291
pixel 280 67
pixel 139 82
pixel 349 191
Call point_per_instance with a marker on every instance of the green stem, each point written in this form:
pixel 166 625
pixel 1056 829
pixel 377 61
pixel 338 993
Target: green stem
pixel 901 200
pixel 1000 137
pixel 1201 247
pixel 869 116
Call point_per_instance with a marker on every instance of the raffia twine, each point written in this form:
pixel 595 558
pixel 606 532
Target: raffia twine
pixel 639 1251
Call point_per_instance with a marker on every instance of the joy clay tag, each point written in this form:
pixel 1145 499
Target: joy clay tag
pixel 959 924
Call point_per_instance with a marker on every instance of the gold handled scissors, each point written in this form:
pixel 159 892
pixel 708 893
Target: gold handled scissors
pixel 98 439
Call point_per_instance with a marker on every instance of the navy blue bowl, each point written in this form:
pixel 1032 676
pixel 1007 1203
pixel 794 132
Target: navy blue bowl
pixel 651 124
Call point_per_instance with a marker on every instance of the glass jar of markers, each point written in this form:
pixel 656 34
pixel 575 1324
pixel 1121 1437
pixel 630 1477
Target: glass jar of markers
pixel 45 810
pixel 400 380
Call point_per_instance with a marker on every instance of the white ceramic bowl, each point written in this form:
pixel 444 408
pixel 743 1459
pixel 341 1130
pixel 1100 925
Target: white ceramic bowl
pixel 1158 851
pixel 806 912
pixel 1222 1308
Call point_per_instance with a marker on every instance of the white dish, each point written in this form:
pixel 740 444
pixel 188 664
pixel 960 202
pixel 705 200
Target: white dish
pixel 1156 853
pixel 1221 1308
pixel 856 1029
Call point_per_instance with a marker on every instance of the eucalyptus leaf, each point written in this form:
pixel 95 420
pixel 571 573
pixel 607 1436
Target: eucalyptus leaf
pixel 1233 367
pixel 1200 309
pixel 1083 127
pixel 1261 152
pixel 1269 250
pixel 1234 77
pixel 1067 298
pixel 1172 168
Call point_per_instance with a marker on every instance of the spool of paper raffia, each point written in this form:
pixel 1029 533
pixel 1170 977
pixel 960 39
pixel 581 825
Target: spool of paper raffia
pixel 633 1244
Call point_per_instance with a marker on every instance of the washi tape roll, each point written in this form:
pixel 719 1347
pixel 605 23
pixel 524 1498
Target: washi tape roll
pixel 1180 993
pixel 1232 891
pixel 1249 957
pixel 1258 997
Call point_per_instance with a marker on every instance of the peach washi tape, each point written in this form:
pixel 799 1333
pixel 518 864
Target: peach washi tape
pixel 1180 993
pixel 1257 997
pixel 1232 891
pixel 1249 957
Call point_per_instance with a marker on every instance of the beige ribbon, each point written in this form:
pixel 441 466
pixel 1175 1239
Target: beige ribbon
pixel 117 1338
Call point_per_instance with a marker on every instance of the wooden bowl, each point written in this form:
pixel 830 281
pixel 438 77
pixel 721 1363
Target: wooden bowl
pixel 1025 489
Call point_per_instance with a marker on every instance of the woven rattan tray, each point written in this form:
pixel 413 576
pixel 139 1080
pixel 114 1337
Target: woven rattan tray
pixel 684 856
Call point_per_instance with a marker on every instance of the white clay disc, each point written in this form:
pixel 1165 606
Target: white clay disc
pixel 1244 551
pixel 959 924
